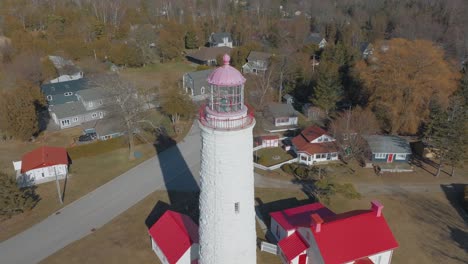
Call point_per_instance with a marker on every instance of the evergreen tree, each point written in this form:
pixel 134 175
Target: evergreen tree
pixel 14 200
pixel 328 90
pixel 191 40
pixel 436 132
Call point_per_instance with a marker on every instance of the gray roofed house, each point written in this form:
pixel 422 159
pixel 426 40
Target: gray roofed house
pixel 221 39
pixel 317 39
pixel 387 148
pixel 366 49
pixel 73 114
pixel 63 92
pixel 196 85
pixel 280 117
pixel 93 98
pixel 207 56
pixel 256 62
pixel 108 128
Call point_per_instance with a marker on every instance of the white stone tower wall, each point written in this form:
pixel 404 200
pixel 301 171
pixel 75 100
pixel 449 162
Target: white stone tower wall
pixel 227 236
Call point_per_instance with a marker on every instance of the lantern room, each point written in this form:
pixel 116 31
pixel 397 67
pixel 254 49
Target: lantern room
pixel 227 89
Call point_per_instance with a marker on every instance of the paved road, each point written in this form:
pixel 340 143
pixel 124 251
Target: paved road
pixel 176 168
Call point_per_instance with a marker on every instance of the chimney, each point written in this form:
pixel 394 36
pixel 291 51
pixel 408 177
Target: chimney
pixel 317 222
pixel 377 207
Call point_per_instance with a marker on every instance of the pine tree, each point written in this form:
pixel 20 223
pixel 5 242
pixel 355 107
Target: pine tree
pixel 457 132
pixel 14 200
pixel 328 90
pixel 436 133
pixel 191 40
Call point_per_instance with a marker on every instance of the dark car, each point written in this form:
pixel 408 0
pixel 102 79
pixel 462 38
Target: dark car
pixel 87 137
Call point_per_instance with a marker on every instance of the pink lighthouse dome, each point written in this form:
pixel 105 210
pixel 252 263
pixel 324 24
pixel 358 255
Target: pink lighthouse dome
pixel 226 75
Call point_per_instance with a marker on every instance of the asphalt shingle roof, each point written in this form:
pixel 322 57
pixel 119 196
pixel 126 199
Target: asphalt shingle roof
pixel 68 109
pixel 388 144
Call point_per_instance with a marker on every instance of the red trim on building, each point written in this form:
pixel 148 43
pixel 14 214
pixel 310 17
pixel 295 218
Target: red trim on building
pixel 44 157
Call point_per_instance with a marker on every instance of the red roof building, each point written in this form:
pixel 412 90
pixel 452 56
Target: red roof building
pixel 360 236
pixel 313 145
pixel 174 238
pixel 43 157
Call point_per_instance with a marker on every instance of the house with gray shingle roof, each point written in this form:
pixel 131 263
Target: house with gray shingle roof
pixel 280 117
pixel 92 98
pixel 207 56
pixel 105 129
pixel 257 62
pixel 388 148
pixel 73 114
pixel 196 85
pixel 63 92
pixel 221 39
pixel 317 39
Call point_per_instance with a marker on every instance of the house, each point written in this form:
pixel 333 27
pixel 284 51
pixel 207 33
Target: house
pixel 388 149
pixel 288 99
pixel 268 141
pixel 313 233
pixel 92 98
pixel 314 145
pixel 73 114
pixel 313 113
pixel 366 49
pixel 41 165
pixel 196 85
pixel 221 39
pixel 207 56
pixel 63 92
pixel 105 129
pixel 66 69
pixel 257 62
pixel 174 239
pixel 317 39
pixel 280 117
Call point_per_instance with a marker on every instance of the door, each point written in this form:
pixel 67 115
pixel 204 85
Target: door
pixel 328 156
pixel 390 158
pixel 303 259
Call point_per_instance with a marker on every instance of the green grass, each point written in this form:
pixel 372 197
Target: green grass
pixel 266 156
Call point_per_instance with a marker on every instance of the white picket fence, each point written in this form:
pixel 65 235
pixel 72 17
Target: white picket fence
pixel 268 247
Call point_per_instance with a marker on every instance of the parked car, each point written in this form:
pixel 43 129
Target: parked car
pixel 87 137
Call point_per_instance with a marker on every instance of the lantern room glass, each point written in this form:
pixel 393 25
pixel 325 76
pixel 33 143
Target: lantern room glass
pixel 226 99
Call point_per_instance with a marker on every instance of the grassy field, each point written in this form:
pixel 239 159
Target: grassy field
pixel 427 227
pixel 271 156
pixel 152 75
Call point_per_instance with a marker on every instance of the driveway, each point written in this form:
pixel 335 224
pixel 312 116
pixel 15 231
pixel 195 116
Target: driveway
pixel 176 168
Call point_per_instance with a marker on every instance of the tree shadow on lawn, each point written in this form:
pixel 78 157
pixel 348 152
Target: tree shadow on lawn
pixel 440 226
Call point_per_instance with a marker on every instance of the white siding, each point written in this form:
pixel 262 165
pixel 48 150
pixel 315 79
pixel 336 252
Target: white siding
pixel 278 231
pixel 158 252
pixel 41 175
pixel 291 121
pixel 313 252
pixel 227 178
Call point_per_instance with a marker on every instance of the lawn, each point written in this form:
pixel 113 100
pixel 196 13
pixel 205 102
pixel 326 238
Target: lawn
pixel 271 156
pixel 426 226
pixel 152 75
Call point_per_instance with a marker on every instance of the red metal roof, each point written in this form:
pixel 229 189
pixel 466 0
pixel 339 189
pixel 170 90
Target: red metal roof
pixel 174 233
pixel 353 235
pixel 364 261
pixel 302 142
pixel 43 157
pixel 293 245
pixel 269 137
pixel 292 218
pixel 343 237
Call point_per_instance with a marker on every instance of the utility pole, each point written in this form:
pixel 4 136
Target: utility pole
pixel 58 186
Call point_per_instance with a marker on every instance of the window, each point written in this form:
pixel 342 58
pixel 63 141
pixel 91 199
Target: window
pixel 319 139
pixel 325 139
pixel 68 94
pixel 334 155
pixel 100 102
pixel 94 115
pixel 106 137
pixel 49 98
pixel 75 119
pixel 202 90
pixel 90 104
pixel 400 156
pixel 236 207
pixel 324 156
pixel 101 114
pixel 303 158
pixel 317 156
pixel 380 155
pixel 65 122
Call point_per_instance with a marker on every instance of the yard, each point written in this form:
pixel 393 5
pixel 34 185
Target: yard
pixel 87 172
pixel 271 156
pixel 427 227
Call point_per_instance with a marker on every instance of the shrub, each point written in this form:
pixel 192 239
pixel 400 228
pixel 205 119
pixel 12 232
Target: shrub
pixel 288 168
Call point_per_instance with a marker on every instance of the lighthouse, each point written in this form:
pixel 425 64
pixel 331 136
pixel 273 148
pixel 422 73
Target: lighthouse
pixel 227 213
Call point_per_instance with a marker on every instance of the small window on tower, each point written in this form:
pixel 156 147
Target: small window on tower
pixel 236 207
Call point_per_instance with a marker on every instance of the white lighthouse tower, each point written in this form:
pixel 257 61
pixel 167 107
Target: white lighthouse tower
pixel 227 213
